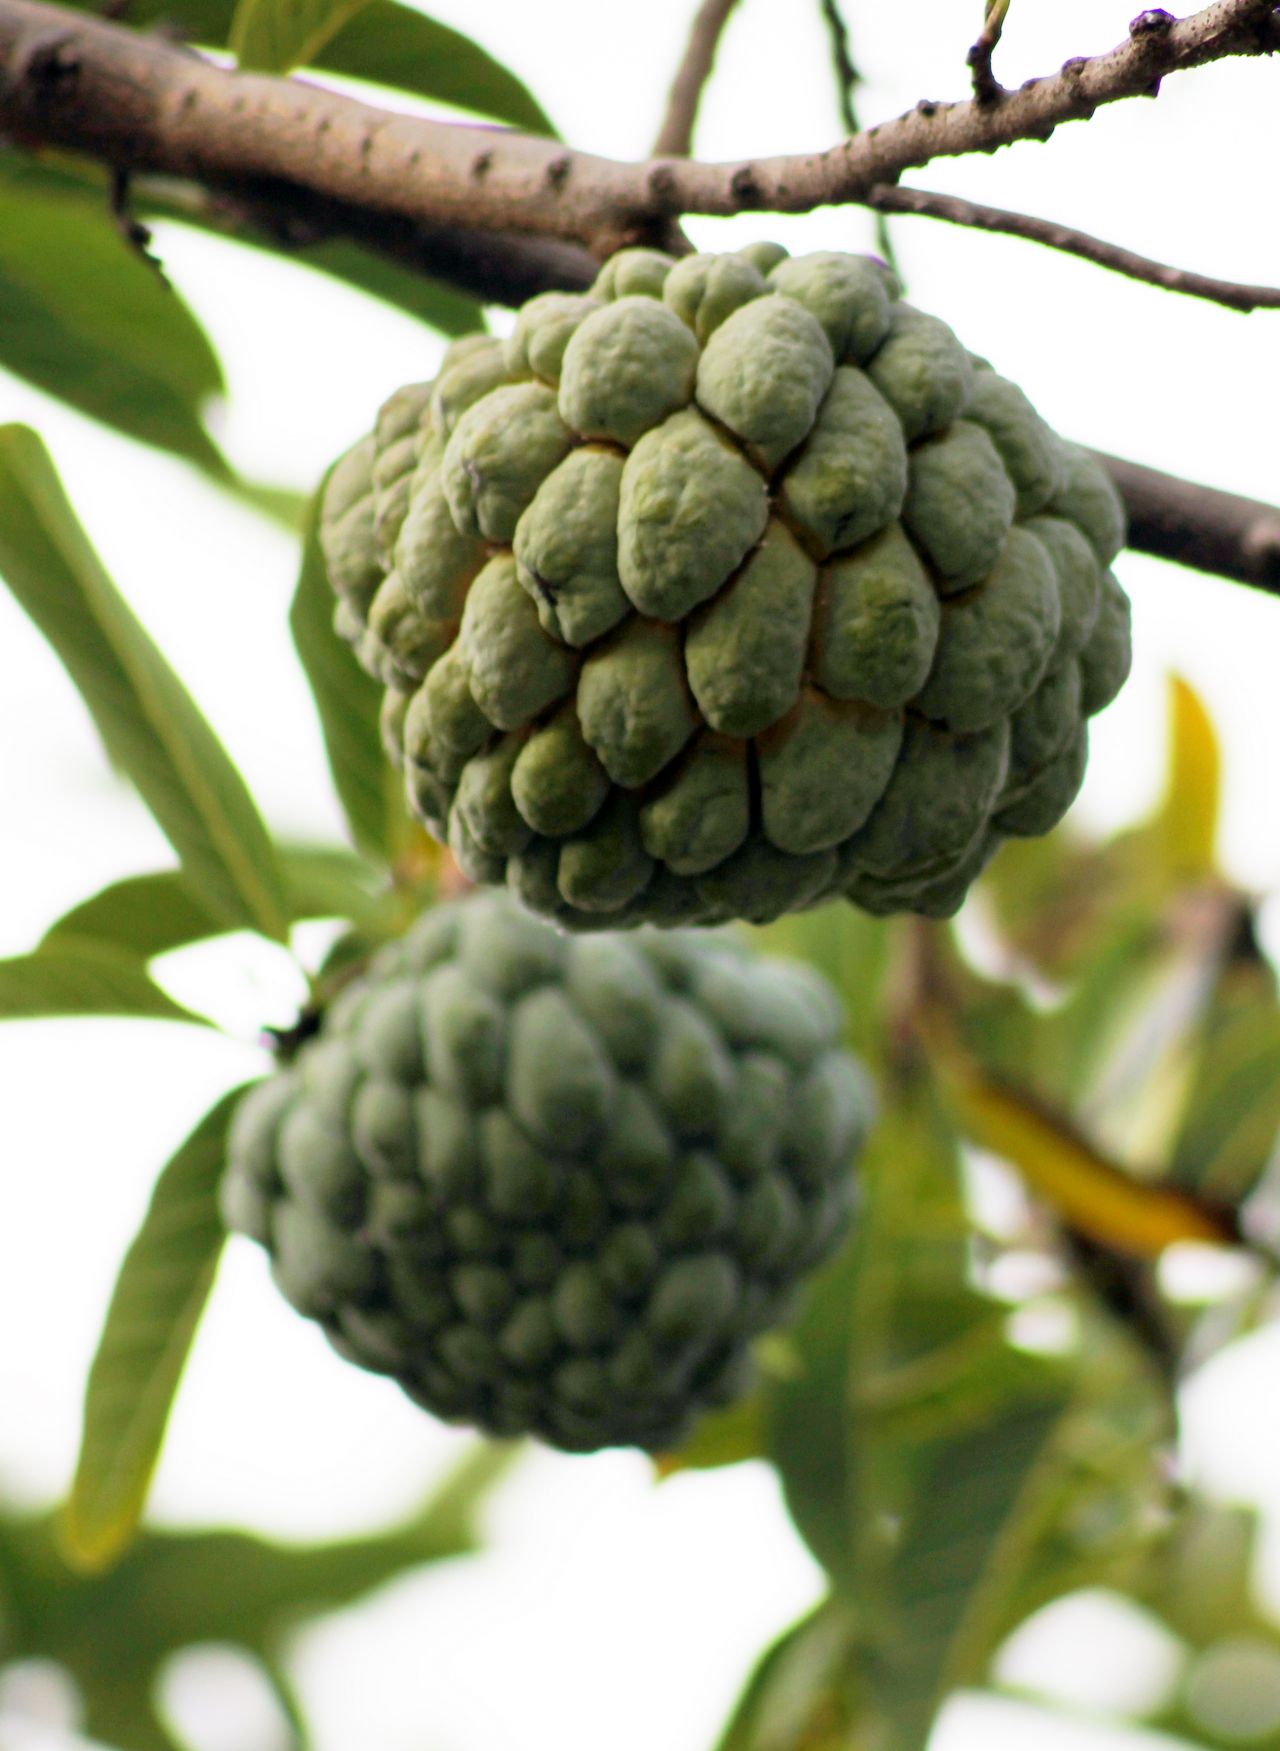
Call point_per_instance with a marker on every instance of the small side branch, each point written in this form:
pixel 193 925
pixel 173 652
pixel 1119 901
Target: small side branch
pixel 847 75
pixel 1211 531
pixel 955 211
pixel 675 137
pixel 987 89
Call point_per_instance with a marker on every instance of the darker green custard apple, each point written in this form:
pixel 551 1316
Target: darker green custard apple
pixel 552 1183
pixel 728 587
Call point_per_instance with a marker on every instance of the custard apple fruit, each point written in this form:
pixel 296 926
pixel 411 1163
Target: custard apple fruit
pixel 730 586
pixel 555 1183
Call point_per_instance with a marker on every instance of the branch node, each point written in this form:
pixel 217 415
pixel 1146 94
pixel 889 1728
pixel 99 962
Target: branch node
pixel 52 68
pixel 480 165
pixel 1154 22
pixel 662 183
pixel 745 185
pixel 557 171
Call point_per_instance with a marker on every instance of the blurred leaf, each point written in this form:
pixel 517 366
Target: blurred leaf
pixel 385 43
pixel 151 1323
pixel 271 36
pixel 348 702
pixel 1061 901
pixel 394 45
pixel 151 914
pixel 73 977
pixel 929 1464
pixel 84 187
pixel 1187 817
pixel 174 1590
pixel 1231 1116
pixel 85 318
pixel 851 949
pixel 149 723
pixel 798 1698
pixel 1091 1193
pixel 724 1437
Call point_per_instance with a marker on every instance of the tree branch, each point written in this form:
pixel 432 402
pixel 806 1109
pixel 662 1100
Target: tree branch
pixel 1211 531
pixel 140 104
pixel 1113 256
pixel 505 215
pixel 675 137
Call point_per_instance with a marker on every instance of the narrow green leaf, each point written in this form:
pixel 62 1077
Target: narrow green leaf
pixel 348 702
pixel 800 1692
pixel 155 1308
pixel 148 721
pixel 271 36
pixel 73 977
pixel 84 318
pixel 151 914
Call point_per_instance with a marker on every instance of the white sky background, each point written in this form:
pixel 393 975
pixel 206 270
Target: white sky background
pixel 609 1612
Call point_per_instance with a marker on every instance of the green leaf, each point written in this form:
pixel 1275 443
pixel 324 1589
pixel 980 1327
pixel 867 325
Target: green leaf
pixel 723 1437
pixel 393 45
pixel 113 1631
pixel 801 1692
pixel 151 914
pixel 84 185
pixel 383 42
pixel 1232 1115
pixel 271 36
pixel 71 977
pixel 151 1323
pixel 85 318
pixel 907 1435
pixel 149 723
pixel 348 703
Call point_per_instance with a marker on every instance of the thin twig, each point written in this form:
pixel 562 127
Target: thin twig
pixel 847 76
pixel 987 89
pixel 675 136
pixel 848 79
pixel 1113 256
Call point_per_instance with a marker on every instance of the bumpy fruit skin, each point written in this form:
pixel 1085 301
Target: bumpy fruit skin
pixel 730 586
pixel 555 1184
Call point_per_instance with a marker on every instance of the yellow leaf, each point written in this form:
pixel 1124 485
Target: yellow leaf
pixel 1188 815
pixel 1089 1191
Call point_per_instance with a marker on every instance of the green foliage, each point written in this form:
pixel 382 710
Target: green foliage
pixel 147 720
pixel 151 1323
pixel 75 977
pixel 91 322
pixel 173 1590
pixel 950 1479
pixel 148 915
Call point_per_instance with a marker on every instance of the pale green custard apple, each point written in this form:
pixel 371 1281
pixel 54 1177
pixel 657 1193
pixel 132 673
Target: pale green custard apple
pixel 552 1183
pixel 730 586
